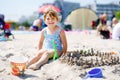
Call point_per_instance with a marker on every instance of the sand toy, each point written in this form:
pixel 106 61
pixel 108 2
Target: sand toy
pixel 18 65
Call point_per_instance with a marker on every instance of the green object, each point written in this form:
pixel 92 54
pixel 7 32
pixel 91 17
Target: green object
pixel 55 51
pixel 9 39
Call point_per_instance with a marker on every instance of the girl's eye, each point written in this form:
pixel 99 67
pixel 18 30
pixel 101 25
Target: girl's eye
pixel 48 18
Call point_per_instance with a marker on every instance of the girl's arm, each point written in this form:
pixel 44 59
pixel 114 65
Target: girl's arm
pixel 40 43
pixel 98 29
pixel 64 41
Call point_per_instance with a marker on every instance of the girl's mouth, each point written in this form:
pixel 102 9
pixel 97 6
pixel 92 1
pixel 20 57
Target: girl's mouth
pixel 51 23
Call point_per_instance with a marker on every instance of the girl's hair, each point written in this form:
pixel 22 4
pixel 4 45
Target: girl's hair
pixel 52 14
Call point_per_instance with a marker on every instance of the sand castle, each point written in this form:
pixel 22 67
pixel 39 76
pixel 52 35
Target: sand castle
pixel 90 58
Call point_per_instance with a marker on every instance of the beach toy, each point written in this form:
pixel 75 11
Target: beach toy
pixel 8 39
pixel 113 52
pixel 18 65
pixel 2 38
pixel 94 73
pixel 55 51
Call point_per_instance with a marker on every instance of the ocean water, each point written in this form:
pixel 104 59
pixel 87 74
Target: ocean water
pixel 24 32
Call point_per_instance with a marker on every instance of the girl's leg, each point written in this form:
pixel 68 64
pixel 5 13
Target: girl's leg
pixel 59 53
pixel 36 58
pixel 44 59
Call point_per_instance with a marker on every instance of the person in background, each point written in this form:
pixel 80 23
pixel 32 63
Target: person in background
pixel 103 30
pixel 116 29
pixel 49 35
pixel 114 22
pixel 2 22
pixel 7 28
pixel 101 18
pixel 36 25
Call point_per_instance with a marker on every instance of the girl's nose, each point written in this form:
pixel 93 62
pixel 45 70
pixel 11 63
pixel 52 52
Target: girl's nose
pixel 50 20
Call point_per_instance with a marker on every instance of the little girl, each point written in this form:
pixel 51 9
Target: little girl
pixel 49 34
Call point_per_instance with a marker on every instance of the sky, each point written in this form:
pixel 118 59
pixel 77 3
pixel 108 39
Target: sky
pixel 14 9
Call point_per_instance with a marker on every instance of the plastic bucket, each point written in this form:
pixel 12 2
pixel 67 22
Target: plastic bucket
pixel 94 73
pixel 18 65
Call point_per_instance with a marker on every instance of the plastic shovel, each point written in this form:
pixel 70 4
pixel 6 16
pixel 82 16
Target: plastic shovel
pixel 55 50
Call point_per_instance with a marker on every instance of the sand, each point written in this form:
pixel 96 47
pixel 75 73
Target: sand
pixel 25 44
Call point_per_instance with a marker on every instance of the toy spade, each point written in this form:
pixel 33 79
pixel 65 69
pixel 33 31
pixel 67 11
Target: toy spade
pixel 55 56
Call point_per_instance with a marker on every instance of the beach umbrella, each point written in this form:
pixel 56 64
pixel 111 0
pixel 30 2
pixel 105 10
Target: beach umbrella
pixel 44 8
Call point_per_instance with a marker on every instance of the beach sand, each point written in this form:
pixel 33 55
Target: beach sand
pixel 26 45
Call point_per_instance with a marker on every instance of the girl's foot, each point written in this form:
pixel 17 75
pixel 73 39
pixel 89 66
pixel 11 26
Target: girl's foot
pixel 34 67
pixel 27 65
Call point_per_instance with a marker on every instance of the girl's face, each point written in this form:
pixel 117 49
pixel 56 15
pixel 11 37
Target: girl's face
pixel 51 21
